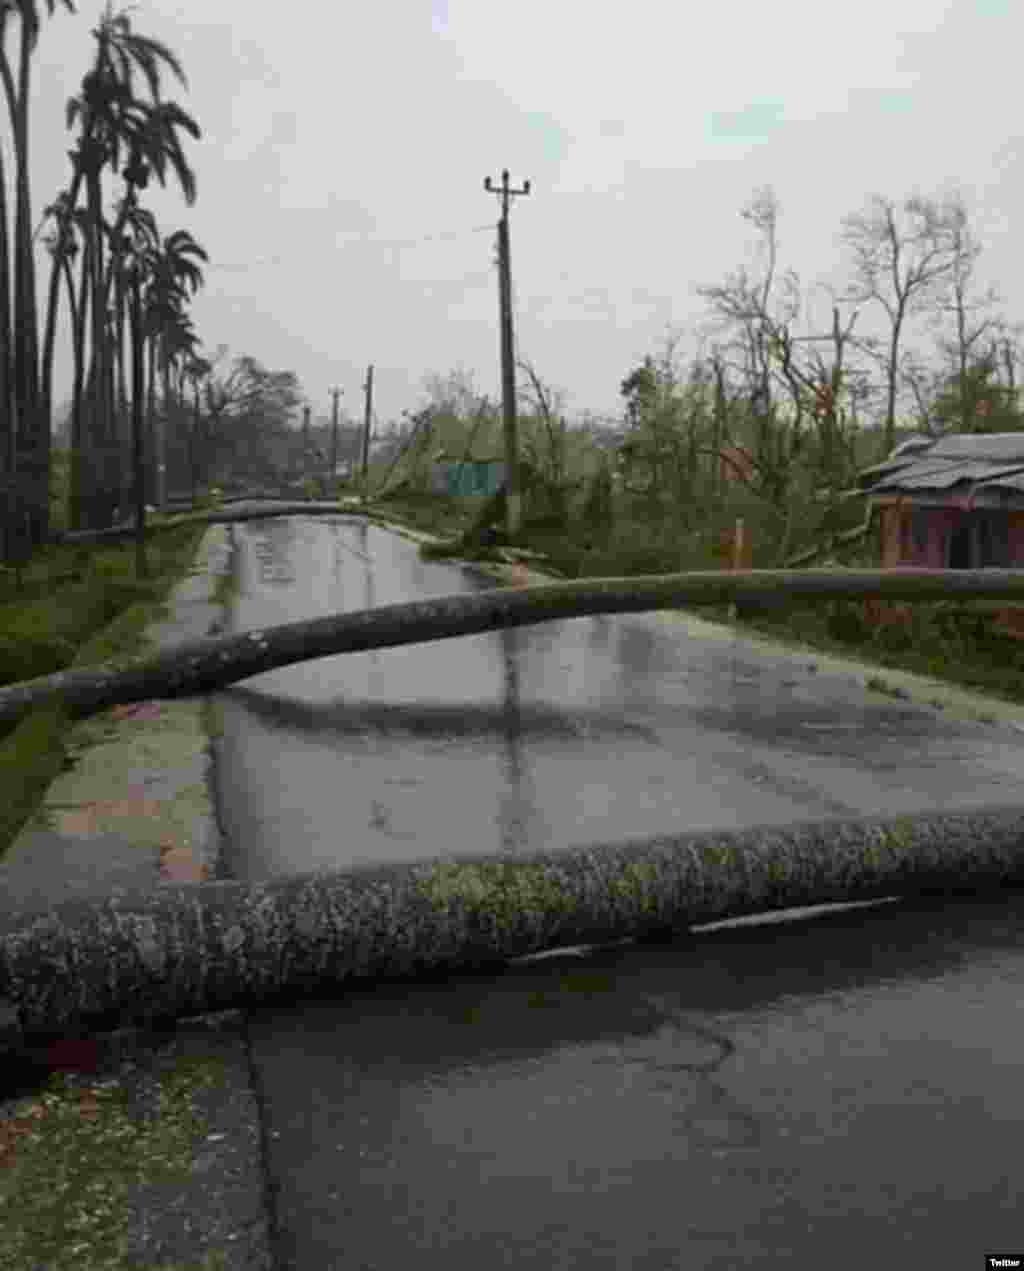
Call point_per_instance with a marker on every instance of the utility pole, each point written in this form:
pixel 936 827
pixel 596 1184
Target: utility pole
pixel 368 389
pixel 513 517
pixel 305 444
pixel 335 394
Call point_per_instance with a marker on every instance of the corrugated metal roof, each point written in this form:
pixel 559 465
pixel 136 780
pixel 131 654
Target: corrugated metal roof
pixel 990 448
pixel 993 459
pixel 928 475
pixel 1009 481
pixel 867 476
pixel 999 447
pixel 912 445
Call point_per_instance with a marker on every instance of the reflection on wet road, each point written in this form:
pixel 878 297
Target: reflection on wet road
pixel 594 729
pixel 839 1093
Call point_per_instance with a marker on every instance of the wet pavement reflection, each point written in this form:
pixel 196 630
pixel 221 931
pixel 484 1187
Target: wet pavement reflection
pixel 594 729
pixel 841 1092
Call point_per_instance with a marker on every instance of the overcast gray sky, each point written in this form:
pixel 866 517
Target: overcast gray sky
pixel 337 138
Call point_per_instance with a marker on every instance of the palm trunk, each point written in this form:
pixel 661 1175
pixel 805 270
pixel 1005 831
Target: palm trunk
pixel 64 228
pixel 15 399
pixel 100 502
pixel 52 306
pixel 80 476
pixel 113 281
pixel 121 390
pixel 34 428
pixel 138 452
pixel 151 429
pixel 118 456
pixel 75 459
pixel 8 435
pixel 195 438
pixel 162 458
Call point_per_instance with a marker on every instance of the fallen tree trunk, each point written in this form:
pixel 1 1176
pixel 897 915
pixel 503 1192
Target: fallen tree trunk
pixel 126 530
pixel 206 665
pixel 191 949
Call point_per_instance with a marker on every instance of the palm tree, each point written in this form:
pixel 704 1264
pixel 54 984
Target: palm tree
pixel 137 253
pixel 64 245
pixel 176 275
pixel 180 342
pixel 19 354
pixel 197 371
pixel 114 122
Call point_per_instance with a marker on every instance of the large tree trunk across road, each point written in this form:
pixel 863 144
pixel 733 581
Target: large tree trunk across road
pixel 188 949
pixel 199 947
pixel 203 666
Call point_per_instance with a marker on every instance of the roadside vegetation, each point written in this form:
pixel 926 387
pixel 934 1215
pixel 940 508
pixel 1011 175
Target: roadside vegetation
pixel 69 1157
pixel 960 643
pixel 72 606
pixel 651 500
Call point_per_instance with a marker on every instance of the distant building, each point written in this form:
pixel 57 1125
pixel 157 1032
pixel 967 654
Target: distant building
pixel 462 478
pixel 955 503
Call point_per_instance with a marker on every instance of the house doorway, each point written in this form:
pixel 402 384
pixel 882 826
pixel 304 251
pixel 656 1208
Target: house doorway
pixel 960 547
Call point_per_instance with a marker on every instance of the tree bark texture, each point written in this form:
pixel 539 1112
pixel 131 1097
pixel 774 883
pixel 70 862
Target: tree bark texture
pixel 203 666
pixel 189 949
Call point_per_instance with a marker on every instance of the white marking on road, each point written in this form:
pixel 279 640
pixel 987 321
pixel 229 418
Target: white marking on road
pixel 799 913
pixel 796 914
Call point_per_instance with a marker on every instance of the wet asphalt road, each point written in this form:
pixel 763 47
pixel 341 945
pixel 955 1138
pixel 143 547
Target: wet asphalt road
pixel 825 1094
pixel 591 730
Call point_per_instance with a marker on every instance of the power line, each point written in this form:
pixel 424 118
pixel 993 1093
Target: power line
pixel 392 243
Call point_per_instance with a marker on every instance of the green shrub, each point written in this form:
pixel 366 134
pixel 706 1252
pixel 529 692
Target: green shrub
pixel 31 757
pixel 70 613
pixel 845 622
pixel 28 659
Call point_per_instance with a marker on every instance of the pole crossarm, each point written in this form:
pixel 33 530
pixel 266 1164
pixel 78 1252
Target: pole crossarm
pixel 505 191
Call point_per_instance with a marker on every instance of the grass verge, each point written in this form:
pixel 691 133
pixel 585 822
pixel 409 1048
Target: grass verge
pixel 66 1160
pixel 97 617
pixel 957 644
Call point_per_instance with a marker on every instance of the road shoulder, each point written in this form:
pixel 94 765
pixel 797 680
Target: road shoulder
pixel 135 809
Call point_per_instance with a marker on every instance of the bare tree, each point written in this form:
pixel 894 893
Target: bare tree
pixel 546 405
pixel 900 260
pixel 740 306
pixel 453 395
pixel 925 384
pixel 792 389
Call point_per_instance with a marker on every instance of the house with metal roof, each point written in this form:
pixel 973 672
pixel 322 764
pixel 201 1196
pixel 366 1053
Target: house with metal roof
pixel 952 503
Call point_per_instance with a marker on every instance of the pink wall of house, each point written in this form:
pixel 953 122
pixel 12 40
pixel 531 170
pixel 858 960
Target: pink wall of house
pixel 920 536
